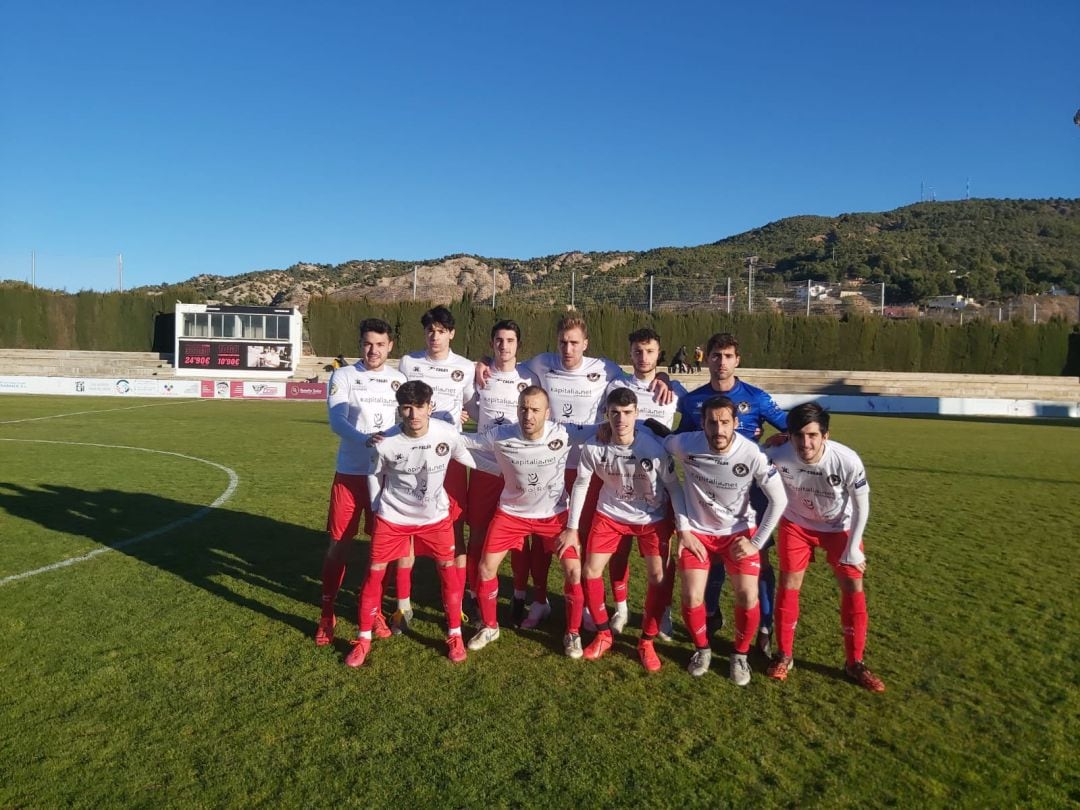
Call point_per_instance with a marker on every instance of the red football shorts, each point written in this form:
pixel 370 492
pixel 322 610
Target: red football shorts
pixel 456 485
pixel 484 492
pixel 652 538
pixel 796 545
pixel 508 532
pixel 349 499
pixel 718 547
pixel 390 541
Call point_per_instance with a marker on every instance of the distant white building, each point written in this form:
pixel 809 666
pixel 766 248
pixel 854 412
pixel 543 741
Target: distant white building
pixel 815 291
pixel 949 302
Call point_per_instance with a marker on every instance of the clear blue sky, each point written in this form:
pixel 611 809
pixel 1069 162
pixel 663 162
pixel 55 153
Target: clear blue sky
pixel 226 137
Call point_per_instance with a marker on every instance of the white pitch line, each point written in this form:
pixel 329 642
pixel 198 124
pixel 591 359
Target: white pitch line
pixel 234 481
pixel 99 410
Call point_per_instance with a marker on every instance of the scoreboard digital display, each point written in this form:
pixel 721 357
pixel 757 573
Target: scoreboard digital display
pixel 231 355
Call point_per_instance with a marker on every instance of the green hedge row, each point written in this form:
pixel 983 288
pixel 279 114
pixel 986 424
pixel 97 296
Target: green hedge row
pixel 766 340
pixel 45 319
pixel 42 319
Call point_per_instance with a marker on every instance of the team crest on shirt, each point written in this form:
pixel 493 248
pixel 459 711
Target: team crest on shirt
pixel 834 480
pixel 457 375
pixel 741 470
pixel 646 464
pixel 500 418
pixel 593 376
pixel 395 385
pixel 534 479
pixel 744 407
pixel 333 388
pixel 555 444
pixel 521 387
pixel 442 449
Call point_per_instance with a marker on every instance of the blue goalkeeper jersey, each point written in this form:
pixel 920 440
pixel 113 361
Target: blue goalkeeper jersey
pixel 753 407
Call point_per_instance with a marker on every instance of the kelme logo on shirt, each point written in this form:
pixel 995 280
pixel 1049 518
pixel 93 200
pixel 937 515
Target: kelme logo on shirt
pixel 744 407
pixel 593 376
pixel 378 421
pixel 458 375
pixel 834 480
pixel 534 479
pixel 442 449
pixel 568 409
pixel 741 470
pixel 555 444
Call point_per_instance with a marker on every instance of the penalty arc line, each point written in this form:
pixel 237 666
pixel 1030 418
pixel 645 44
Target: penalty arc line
pixel 234 481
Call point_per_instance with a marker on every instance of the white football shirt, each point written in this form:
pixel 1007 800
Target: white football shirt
pixel 406 485
pixel 451 379
pixel 717 486
pixel 360 403
pixel 648 407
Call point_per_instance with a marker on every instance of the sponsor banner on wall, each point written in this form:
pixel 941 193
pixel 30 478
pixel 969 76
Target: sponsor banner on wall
pixel 263 390
pixel 305 390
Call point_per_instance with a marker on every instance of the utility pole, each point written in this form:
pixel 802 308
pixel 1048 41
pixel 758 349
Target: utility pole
pixel 573 285
pixel 415 268
pixel 650 292
pixel 750 283
pixel 120 271
pixel 493 288
pixel 728 295
pixel 33 269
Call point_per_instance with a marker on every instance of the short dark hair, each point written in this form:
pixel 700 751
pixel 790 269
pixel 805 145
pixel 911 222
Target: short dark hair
pixel 802 415
pixel 414 392
pixel 532 390
pixel 438 315
pixel 621 397
pixel 718 402
pixel 376 325
pixel 722 340
pixel 643 335
pixel 506 324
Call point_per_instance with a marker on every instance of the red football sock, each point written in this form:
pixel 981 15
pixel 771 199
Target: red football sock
pixel 403 578
pixel 575 603
pixel 371 598
pixel 539 563
pixel 594 598
pixel 619 571
pixel 654 610
pixel 461 575
pixel 450 580
pixel 333 574
pixel 487 595
pixel 519 564
pixel 695 625
pixel 854 620
pixel 472 565
pixel 746 625
pixel 786 617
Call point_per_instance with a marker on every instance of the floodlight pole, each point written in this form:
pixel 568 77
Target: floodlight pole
pixel 415 268
pixel 493 288
pixel 729 295
pixel 650 292
pixel 33 269
pixel 573 285
pixel 120 271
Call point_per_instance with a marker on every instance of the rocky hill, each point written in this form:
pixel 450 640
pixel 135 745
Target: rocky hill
pixel 985 249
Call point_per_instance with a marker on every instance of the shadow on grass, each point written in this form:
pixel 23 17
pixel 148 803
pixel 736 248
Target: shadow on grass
pixel 234 555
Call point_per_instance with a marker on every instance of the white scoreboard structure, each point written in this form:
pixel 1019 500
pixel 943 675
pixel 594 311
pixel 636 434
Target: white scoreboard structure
pixel 237 341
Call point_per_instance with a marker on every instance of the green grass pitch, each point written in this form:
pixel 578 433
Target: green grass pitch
pixel 179 669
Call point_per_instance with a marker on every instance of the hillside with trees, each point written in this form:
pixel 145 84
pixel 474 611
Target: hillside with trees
pixel 983 249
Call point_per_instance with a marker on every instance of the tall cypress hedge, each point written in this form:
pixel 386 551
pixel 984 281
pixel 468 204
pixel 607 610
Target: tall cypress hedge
pixel 42 319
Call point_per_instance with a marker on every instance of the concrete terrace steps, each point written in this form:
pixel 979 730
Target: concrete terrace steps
pixel 71 363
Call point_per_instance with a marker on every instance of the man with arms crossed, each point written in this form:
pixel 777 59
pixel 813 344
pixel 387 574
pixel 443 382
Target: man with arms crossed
pixel 638 478
pixel 451 379
pixel 532 458
pixel 644 357
pixel 828 506
pixel 717 525
pixel 361 402
pixel 755 408
pixel 497 404
pixel 412 508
